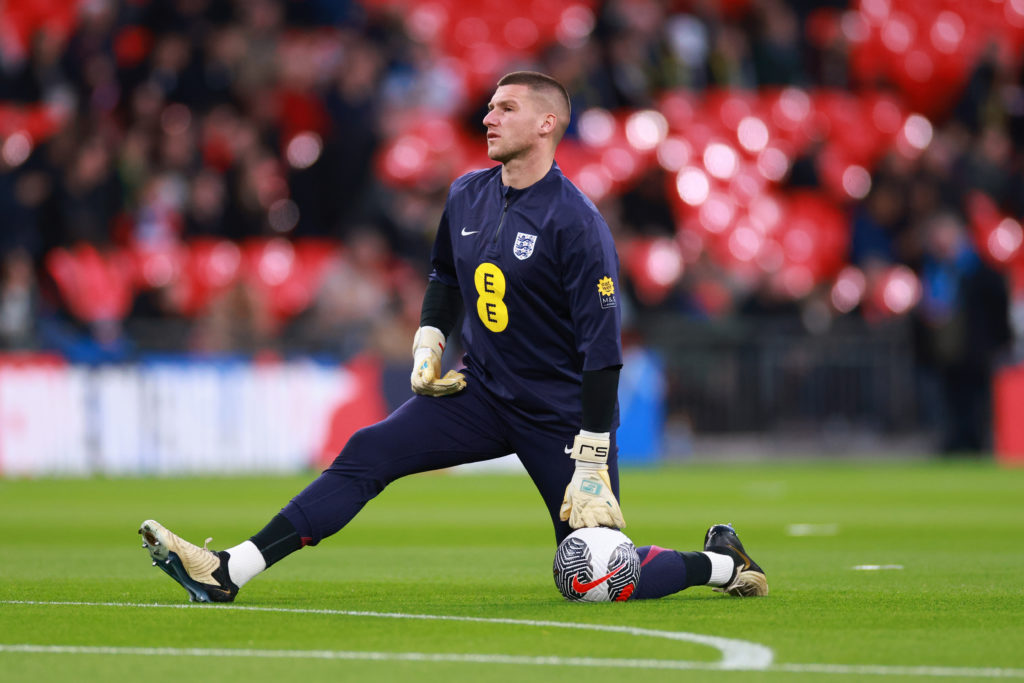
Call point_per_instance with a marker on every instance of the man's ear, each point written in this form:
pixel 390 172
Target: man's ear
pixel 548 124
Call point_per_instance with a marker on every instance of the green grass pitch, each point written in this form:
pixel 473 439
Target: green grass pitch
pixel 80 601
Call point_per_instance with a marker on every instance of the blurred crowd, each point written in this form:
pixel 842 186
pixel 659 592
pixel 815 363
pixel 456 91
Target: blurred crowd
pixel 153 124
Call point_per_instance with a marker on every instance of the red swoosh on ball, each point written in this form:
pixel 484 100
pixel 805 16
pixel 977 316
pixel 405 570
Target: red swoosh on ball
pixel 584 587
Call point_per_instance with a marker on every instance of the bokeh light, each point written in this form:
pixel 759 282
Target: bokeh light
pixel 664 263
pixel 745 243
pixel 693 185
pixel 1004 242
pixel 304 150
pixel 16 149
pixel 721 160
pixel 674 153
pixel 716 214
pixel 918 131
pixel 752 134
pixel 283 215
pixel 276 262
pixel 848 290
pixel 947 32
pixel 901 290
pixel 575 26
pixel 596 127
pixel 773 164
pixel 521 33
pixel 856 181
pixel 646 129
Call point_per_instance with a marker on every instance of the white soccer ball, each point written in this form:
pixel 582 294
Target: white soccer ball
pixel 597 565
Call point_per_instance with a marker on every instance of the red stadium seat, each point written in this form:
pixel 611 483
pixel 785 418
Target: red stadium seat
pixel 430 152
pixel 21 20
pixel 996 236
pixel 95 286
pixel 927 48
pixel 211 267
pixel 38 121
pixel 288 274
pixel 654 266
pixel 158 267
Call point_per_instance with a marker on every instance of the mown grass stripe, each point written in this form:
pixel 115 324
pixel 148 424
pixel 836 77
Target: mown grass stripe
pixel 522 660
pixel 736 654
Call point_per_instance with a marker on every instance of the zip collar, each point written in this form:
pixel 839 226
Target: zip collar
pixel 510 193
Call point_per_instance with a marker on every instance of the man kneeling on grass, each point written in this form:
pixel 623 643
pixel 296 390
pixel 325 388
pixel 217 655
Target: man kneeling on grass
pixel 535 265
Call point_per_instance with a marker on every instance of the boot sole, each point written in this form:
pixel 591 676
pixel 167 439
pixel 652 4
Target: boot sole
pixel 152 542
pixel 748 585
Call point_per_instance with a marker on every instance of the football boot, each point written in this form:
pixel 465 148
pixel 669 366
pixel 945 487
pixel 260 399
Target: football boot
pixel 748 580
pixel 202 572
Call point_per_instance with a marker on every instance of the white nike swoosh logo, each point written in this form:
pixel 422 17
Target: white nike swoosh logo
pixel 568 450
pixel 467 233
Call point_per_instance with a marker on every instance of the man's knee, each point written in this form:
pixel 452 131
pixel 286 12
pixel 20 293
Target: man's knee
pixel 359 451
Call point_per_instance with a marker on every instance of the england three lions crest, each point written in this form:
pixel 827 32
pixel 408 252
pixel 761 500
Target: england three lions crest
pixel 523 247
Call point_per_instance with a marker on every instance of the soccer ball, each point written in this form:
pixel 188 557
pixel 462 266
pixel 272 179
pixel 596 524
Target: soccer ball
pixel 597 565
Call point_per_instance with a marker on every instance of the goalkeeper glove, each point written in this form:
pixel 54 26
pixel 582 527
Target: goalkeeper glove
pixel 589 500
pixel 427 347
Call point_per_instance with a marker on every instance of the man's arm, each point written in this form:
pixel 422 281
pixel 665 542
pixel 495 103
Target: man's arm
pixel 441 306
pixel 591 273
pixel 589 500
pixel 600 391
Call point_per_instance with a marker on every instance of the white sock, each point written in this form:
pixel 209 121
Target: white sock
pixel 722 569
pixel 246 561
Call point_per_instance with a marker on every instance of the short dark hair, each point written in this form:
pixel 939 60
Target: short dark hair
pixel 546 85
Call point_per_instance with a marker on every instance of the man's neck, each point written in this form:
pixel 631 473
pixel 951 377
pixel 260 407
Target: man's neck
pixel 523 172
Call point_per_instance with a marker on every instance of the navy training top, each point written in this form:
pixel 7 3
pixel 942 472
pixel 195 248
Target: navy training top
pixel 538 273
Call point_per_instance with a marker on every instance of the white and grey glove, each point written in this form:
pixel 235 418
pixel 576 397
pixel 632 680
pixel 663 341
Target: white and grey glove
pixel 589 501
pixel 427 348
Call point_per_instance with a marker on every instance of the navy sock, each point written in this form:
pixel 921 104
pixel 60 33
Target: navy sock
pixel 698 568
pixel 664 572
pixel 277 539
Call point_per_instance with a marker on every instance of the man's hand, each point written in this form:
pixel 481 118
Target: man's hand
pixel 589 500
pixel 427 347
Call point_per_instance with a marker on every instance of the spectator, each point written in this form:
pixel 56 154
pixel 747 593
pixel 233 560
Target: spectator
pixel 876 225
pixel 237 321
pixel 776 46
pixel 18 295
pixel 963 330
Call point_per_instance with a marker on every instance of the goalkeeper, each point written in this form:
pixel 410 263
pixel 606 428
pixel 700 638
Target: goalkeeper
pixel 532 264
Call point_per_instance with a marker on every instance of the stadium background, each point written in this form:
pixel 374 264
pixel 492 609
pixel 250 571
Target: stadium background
pixel 216 218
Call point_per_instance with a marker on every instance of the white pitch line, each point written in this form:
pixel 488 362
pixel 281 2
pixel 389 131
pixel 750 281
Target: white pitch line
pixel 876 567
pixel 473 658
pixel 736 654
pixel 812 529
pixel 881 670
pixel 430 657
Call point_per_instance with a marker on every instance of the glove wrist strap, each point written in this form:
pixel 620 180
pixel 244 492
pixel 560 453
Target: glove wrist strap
pixel 430 338
pixel 588 449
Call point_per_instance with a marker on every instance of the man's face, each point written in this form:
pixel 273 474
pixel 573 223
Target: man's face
pixel 513 122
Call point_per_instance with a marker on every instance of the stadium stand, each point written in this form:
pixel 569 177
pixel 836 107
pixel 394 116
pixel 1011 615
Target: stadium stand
pixel 207 163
